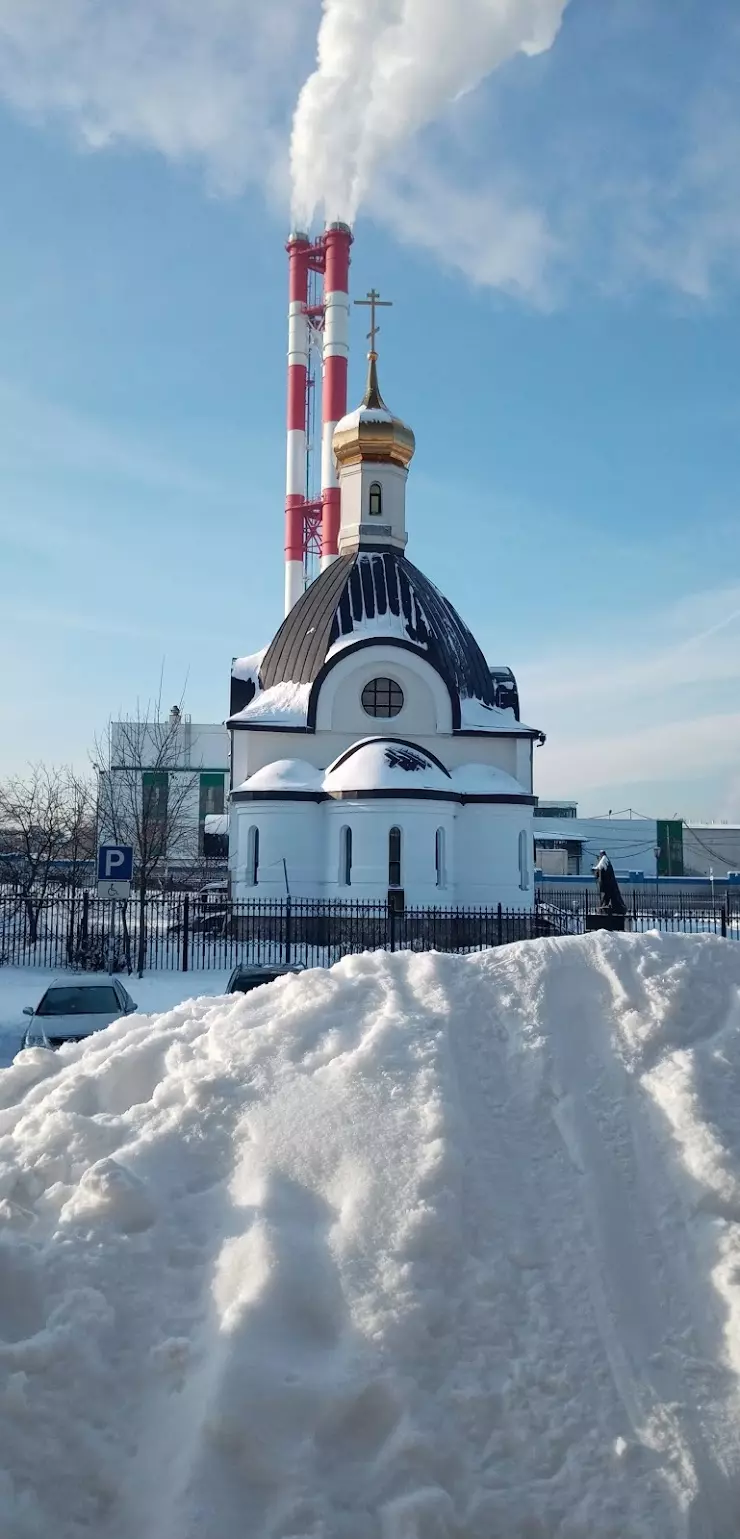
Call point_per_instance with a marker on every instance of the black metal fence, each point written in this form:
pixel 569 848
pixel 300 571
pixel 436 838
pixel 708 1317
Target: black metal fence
pixel 80 931
pixel 83 932
pixel 654 898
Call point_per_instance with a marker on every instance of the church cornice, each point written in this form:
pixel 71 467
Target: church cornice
pixel 383 793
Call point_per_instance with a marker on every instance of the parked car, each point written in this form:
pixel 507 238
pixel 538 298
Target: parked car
pixel 248 976
pixel 73 1008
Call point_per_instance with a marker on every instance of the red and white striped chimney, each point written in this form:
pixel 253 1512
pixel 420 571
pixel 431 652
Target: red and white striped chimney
pixel 298 248
pixel 337 242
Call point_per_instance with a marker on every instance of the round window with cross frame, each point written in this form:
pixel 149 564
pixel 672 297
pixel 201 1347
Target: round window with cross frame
pixel 382 697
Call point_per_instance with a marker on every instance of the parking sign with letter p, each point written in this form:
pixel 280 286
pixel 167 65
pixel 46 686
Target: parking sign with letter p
pixel 115 870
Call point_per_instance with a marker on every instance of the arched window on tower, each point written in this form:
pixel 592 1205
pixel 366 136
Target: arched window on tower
pixel 253 856
pixel 394 858
pixel 524 860
pixel 345 857
pixel 439 857
pixel 375 500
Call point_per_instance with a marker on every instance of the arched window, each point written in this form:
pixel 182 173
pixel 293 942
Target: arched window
pixel 524 860
pixel 439 857
pixel 394 858
pixel 375 500
pixel 253 856
pixel 345 857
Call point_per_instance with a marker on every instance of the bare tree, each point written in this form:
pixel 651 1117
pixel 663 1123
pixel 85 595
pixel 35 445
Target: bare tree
pixel 46 819
pixel 145 792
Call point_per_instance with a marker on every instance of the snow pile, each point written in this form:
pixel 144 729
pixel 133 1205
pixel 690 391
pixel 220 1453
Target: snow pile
pixel 418 1248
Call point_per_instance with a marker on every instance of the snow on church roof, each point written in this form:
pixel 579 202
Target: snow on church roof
pixel 285 705
pixel 369 595
pixel 386 764
pixel 285 775
pixel 248 668
pixel 476 716
pixel 383 764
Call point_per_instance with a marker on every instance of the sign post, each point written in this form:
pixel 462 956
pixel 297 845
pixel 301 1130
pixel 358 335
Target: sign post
pixel 115 871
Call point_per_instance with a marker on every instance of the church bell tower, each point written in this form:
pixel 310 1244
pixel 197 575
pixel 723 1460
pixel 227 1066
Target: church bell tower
pixel 373 450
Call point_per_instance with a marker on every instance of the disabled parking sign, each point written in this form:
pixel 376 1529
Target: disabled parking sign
pixel 115 870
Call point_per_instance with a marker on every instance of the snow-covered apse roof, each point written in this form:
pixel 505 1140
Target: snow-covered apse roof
pixel 387 764
pixel 381 765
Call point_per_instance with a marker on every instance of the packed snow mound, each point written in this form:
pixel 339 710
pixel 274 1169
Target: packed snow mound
pixel 420 1247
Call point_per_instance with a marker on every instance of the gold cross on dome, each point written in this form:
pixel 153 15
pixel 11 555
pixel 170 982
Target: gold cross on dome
pixel 374 302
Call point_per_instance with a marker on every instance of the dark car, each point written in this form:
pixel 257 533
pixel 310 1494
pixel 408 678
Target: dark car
pixel 248 976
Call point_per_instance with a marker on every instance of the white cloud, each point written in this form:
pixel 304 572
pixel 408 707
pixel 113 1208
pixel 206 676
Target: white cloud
pixel 659 707
pixel 690 748
pixel 214 82
pixel 594 164
pixel 385 69
pixel 495 236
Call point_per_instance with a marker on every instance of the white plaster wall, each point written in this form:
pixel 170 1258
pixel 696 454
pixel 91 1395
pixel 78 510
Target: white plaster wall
pixel 524 762
pixel 481 850
pixel 196 745
pixel 356 481
pixel 487 855
pixel 288 830
pixel 252 750
pixel 371 823
pixel 426 708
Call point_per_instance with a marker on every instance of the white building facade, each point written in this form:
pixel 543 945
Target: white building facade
pixel 165 765
pixel 371 756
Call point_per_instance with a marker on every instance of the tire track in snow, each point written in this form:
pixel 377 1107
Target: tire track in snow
pixel 653 1319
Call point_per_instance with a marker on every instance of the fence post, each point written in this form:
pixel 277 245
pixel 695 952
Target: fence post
pixel 392 916
pixel 288 931
pixel 724 921
pixel 500 920
pixel 185 931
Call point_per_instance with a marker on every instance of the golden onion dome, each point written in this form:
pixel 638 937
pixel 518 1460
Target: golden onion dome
pixel 372 432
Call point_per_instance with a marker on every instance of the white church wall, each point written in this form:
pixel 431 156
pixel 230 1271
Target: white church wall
pixel 524 757
pixel 390 522
pixel 497 752
pixel 370 824
pixel 289 831
pixel 426 705
pixel 494 864
pixel 253 750
pixel 485 849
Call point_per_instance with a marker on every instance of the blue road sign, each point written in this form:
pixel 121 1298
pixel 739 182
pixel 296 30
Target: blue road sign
pixel 115 863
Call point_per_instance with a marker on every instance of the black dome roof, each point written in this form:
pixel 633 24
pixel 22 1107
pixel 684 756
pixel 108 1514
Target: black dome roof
pixel 354 600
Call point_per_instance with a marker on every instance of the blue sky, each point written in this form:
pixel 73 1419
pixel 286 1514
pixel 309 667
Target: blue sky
pixel 562 246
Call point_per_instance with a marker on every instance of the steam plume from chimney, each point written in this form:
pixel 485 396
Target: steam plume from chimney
pixel 385 69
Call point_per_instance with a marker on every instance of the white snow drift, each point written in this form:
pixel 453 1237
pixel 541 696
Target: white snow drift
pixel 418 1248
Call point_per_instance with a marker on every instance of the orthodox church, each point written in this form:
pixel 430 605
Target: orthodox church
pixel 375 754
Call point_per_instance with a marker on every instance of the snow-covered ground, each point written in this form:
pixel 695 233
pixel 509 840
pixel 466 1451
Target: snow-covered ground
pixel 21 986
pixel 418 1247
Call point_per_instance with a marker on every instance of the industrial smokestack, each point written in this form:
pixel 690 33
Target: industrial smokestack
pixel 298 249
pixel 337 242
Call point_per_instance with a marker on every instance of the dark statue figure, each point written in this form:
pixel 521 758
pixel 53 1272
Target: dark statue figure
pixel 610 898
